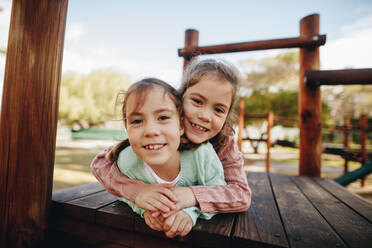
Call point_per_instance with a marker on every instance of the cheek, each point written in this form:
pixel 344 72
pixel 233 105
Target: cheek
pixel 218 123
pixel 187 108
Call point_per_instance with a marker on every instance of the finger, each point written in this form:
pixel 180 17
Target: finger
pixel 165 201
pixel 168 222
pixel 181 228
pixel 166 215
pixel 149 206
pixel 159 206
pixel 169 194
pixel 156 214
pixel 175 226
pixel 187 229
pixel 170 234
pixel 153 223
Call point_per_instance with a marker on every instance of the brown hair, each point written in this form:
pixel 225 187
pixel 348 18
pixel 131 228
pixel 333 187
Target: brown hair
pixel 220 69
pixel 141 89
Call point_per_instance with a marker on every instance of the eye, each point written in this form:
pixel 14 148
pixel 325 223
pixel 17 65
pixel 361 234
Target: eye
pixel 136 122
pixel 163 118
pixel 197 101
pixel 220 110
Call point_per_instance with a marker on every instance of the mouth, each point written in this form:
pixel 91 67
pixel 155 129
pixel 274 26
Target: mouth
pixel 198 127
pixel 154 147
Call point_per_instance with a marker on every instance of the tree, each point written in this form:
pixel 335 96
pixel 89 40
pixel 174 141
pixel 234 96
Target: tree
pixel 89 100
pixel 351 100
pixel 282 103
pixel 280 72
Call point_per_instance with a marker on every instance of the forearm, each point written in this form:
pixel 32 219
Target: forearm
pixel 236 195
pixel 112 179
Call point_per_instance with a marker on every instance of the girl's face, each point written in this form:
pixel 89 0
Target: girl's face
pixel 154 128
pixel 206 105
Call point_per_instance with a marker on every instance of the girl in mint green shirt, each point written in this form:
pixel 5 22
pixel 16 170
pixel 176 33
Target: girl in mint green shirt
pixel 154 152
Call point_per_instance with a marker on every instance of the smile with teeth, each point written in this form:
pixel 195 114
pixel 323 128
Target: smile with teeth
pixel 154 147
pixel 198 127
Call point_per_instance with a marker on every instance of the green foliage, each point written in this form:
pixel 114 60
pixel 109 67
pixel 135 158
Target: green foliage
pixel 281 71
pixel 272 85
pixel 283 103
pixel 88 100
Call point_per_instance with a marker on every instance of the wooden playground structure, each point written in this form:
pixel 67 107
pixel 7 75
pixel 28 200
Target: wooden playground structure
pixel 359 155
pixel 286 211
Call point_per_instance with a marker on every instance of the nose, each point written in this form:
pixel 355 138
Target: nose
pixel 204 115
pixel 151 130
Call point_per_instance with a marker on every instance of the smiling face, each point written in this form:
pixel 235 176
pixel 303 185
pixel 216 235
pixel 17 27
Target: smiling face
pixel 154 128
pixel 206 105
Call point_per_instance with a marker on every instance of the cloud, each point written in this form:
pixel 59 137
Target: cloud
pixel 353 50
pixel 360 24
pixel 135 62
pixel 74 33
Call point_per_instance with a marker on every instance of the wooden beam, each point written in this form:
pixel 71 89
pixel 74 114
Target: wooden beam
pixel 346 129
pixel 29 119
pixel 309 105
pixel 314 79
pixel 270 124
pixel 311 41
pixel 363 139
pixel 191 41
pixel 241 123
pixel 255 116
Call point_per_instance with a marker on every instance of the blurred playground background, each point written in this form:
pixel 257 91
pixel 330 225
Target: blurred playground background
pixel 106 54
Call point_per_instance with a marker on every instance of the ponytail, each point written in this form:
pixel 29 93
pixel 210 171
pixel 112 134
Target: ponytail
pixel 113 155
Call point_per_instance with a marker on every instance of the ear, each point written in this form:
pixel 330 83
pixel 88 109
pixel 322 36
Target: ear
pixel 182 129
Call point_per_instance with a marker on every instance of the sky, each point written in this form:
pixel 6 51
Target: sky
pixel 141 37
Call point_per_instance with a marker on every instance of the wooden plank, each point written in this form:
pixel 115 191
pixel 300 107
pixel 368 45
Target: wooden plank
pixel 140 240
pixel 353 228
pixel 28 125
pixel 305 40
pixel 84 208
pixel 304 226
pixel 211 233
pixel 117 215
pixel 71 232
pixel 76 192
pixel 357 203
pixel 261 224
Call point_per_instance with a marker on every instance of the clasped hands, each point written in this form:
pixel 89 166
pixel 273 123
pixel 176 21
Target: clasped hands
pixel 164 206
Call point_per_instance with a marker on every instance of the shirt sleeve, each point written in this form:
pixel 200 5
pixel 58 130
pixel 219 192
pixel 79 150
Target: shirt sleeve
pixel 236 195
pixel 116 183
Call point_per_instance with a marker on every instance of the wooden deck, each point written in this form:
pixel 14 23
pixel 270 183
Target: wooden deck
pixel 286 211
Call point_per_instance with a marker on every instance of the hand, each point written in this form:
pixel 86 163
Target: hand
pixel 156 197
pixel 155 223
pixel 186 198
pixel 179 223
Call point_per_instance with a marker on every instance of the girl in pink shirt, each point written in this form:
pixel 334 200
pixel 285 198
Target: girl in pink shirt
pixel 208 88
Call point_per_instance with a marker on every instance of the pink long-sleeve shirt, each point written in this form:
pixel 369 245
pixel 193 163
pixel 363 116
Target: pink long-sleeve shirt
pixel 234 197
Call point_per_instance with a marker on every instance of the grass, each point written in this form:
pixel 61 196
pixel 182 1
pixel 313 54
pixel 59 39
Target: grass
pixel 72 168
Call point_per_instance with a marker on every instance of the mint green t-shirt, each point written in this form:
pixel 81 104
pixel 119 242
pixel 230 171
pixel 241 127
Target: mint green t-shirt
pixel 198 167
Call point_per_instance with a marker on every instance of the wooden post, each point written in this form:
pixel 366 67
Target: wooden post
pixel 191 40
pixel 346 140
pixel 363 139
pixel 270 123
pixel 309 105
pixel 29 120
pixel 241 122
